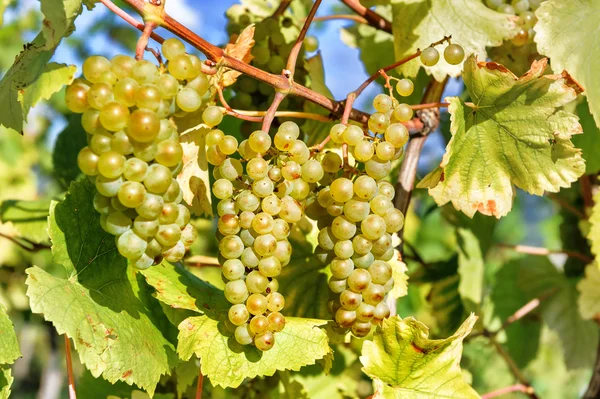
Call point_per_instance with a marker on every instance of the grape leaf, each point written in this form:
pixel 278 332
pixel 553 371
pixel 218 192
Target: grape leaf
pixel 593 235
pixel 9 347
pixel 194 177
pixel 241 50
pixel 400 277
pixel 402 356
pixel 6 380
pixel 29 218
pixel 589 293
pixel 102 304
pixel 64 156
pixel 514 133
pixel 59 18
pixel 316 74
pixel 419 23
pixel 574 50
pixel 470 269
pixel 52 78
pixel 186 373
pixel 589 141
pixel 224 361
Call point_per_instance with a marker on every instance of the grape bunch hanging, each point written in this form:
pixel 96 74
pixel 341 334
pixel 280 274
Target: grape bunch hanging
pixel 133 153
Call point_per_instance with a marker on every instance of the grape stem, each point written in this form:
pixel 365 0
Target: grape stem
pixel 514 368
pixel 293 57
pixel 350 17
pixel 69 360
pixel 202 261
pixel 430 105
pixel 505 390
pixel 270 114
pixel 529 250
pixel 370 16
pixel 142 42
pixel 200 383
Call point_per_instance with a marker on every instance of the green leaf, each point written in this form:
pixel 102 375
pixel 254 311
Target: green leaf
pixel 402 356
pixel 539 278
pixel 376 46
pixel 589 293
pixel 186 373
pixel 59 19
pixel 593 235
pixel 30 218
pixel 513 134
pixel 6 380
pixel 223 360
pixel 419 23
pixel 470 269
pixel 447 306
pixel 572 50
pixel 318 129
pixel 9 347
pixel 52 78
pixel 64 156
pixel 102 304
pixel 589 141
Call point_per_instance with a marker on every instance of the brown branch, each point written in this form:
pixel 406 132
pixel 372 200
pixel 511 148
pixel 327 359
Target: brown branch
pixel 72 393
pixel 350 17
pixel 370 16
pixel 142 42
pixel 408 168
pixel 202 261
pixel 520 313
pixel 281 8
pixel 502 391
pixel 429 105
pixel 514 368
pixel 293 57
pixel 593 390
pixel 586 191
pixel 538 251
pixel 270 115
pixel 564 204
pixel 200 383
pixel 257 116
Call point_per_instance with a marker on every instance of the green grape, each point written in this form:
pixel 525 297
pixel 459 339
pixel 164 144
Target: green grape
pixel 125 91
pixel 311 43
pixel 262 223
pixel 143 125
pixel 172 48
pixel 167 86
pixel 273 286
pixel 233 269
pixel 345 318
pixel 326 239
pixel 100 142
pixel 403 112
pixel 111 164
pixel 276 64
pixel 247 201
pixel 108 77
pixel 76 98
pixel 243 335
pixel 380 272
pixel 200 84
pixel 135 170
pixel 196 67
pixel 363 261
pixel 175 253
pixel 263 187
pixel 373 294
pixel 377 168
pixel 365 312
pixel 341 268
pixel 88 161
pixel 121 144
pixel 342 190
pixel 143 262
pixel 283 141
pixel 99 95
pixel 212 116
pixel 257 168
pixel 364 151
pixel 261 55
pixel 291 171
pixel 394 221
pixel 373 227
pixel 132 194
pixel 238 314
pixel 180 67
pixel 259 325
pixel 276 321
pixel 213 137
pixel 236 291
pixel 116 204
pixel 350 300
pixel 356 210
pixel 228 145
pixel 381 205
pixel 245 151
pixel 362 244
pixel 275 302
pixel 405 87
pixel 382 103
pixel 387 256
pixel 259 141
pixel 148 96
pixel 331 162
pixel 154 248
pixel 183 216
pixel 386 189
pixel 144 72
pixel 300 189
pixel 270 266
pixel 114 116
pixel 521 38
pixel 381 245
pixel 90 121
pixel 353 135
pixel 168 234
pixel 365 187
pixel 229 225
pixel 231 169
pixel 396 134
pixel 117 223
pixel 158 179
pixel 246 218
pixel 336 285
pixel 359 280
pixel 291 211
pixel 145 151
pixel 108 187
pixel 378 122
pixel 222 189
pixel 151 207
pixel 94 67
pixel 361 330
pixel 290 128
pixel 122 65
pixel 265 244
pixel 520 5
pixel 144 227
pixel 343 249
pixel 342 228
pixel 507 9
pixel 284 188
pixel 381 312
pixel 188 235
pixel 169 213
pixel 188 100
pixel 214 156
pixel 454 54
pixel 130 245
pixel 385 151
pixel 256 304
pixel 528 19
pixel 430 56
pixel 299 152
pixel 102 204
pixel 265 341
pixel 281 229
pixel 231 247
pixel 256 282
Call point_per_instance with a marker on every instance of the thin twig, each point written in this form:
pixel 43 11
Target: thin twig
pixel 513 368
pixel 25 244
pixel 270 115
pixel 564 204
pixel 529 250
pixel 200 383
pixel 351 17
pixel 586 191
pixel 230 111
pixel 72 393
pixel 293 57
pixel 505 390
pixel 281 8
pixel 429 105
pixel 202 261
pixel 257 116
pixel 371 16
pixel 142 43
pixel 520 313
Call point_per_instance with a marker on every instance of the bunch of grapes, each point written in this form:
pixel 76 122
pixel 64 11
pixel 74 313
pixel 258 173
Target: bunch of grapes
pixel 258 202
pixel 133 153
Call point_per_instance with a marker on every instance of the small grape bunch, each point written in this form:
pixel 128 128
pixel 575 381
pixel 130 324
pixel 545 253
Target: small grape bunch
pixel 133 153
pixel 525 10
pixel 259 200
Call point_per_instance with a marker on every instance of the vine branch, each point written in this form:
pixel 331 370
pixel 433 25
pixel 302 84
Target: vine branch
pixel 538 251
pixel 502 391
pixel 514 368
pixel 370 16
pixel 350 17
pixel 72 393
pixel 293 57
pixel 200 384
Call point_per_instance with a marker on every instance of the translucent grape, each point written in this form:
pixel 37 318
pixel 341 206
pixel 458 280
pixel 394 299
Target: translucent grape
pixel 396 134
pixel 345 318
pixel 259 141
pixel 373 227
pixel 265 244
pixel 337 133
pixel 76 98
pixel 151 207
pixel 222 189
pixel 236 291
pixel 365 312
pixel 353 135
pixel 259 325
pixel 130 245
pixel 117 223
pixel 256 304
pixel 228 145
pixel 144 72
pixel 168 234
pixel 256 282
pixel 88 161
pixel 337 286
pixel 403 112
pixel 212 116
pixel 342 228
pixel 94 67
pixel 132 194
pixel 361 330
pixel 342 189
pixel 312 171
pixel 364 151
pixel 120 143
pixel 169 213
pixel 378 122
pixel 265 341
pixel 373 294
pixel 233 269
pixel 189 100
pixel 276 321
pixel 382 103
pixel 122 65
pixel 377 168
pixel 356 210
pixel 430 56
pixel 350 300
pixel 238 314
pixel 99 95
pixel 405 87
pixel 143 125
pixel 144 227
pixel 454 54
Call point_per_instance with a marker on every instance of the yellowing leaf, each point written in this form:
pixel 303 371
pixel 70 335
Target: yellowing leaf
pixel 419 23
pixel 242 50
pixel 567 32
pixel 594 233
pixel 514 133
pixel 193 178
pixel 413 366
pixel 589 293
pixel 400 277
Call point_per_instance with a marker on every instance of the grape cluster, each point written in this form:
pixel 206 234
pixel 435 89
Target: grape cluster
pixel 257 205
pixel 133 152
pixel 527 19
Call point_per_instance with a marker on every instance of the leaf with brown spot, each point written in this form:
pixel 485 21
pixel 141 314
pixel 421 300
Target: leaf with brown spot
pixel 241 50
